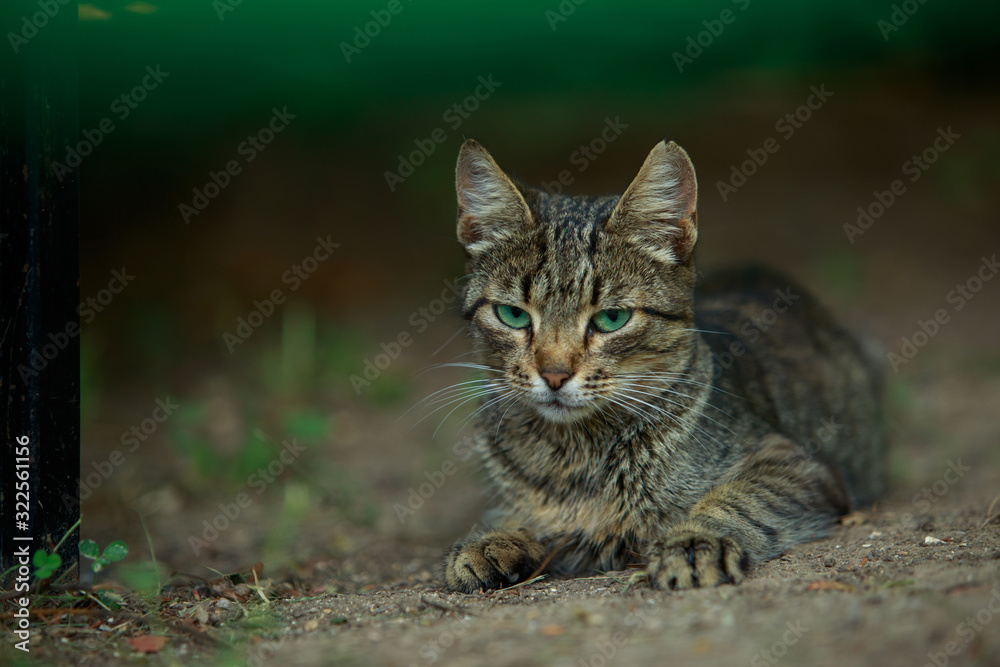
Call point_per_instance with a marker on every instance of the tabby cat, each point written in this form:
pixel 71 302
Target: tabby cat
pixel 634 414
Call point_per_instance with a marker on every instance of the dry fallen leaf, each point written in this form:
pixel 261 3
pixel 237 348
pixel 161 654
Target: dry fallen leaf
pixel 553 630
pixel 830 586
pixel 311 624
pixel 200 612
pixel 148 643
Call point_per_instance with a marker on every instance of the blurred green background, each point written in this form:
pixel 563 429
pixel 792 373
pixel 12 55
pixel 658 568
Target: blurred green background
pixel 560 71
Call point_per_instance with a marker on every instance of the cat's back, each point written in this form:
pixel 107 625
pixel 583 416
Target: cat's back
pixel 800 372
pixel 757 314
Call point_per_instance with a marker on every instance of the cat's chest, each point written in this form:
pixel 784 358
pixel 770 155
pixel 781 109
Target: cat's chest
pixel 594 489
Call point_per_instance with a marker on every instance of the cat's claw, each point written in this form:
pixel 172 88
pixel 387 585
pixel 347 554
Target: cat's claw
pixel 695 558
pixel 493 560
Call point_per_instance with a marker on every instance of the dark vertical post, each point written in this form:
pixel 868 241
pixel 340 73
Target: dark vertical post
pixel 39 283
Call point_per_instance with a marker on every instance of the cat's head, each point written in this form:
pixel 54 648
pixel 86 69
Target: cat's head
pixel 577 302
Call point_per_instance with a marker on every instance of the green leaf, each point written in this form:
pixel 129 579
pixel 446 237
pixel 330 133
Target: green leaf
pixel 89 549
pixel 100 564
pixel 45 564
pixel 115 551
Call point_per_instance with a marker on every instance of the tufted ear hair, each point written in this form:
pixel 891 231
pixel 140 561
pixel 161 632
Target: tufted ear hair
pixel 490 207
pixel 658 210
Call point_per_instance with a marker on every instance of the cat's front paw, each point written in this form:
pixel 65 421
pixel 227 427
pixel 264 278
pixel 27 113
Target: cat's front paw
pixel 492 560
pixel 692 556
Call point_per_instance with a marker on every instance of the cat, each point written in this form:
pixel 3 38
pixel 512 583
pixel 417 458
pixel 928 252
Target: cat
pixel 634 414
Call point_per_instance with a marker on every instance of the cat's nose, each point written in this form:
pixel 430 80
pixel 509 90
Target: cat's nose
pixel 555 378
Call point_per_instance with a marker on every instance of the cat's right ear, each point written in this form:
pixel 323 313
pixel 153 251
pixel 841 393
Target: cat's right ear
pixel 490 207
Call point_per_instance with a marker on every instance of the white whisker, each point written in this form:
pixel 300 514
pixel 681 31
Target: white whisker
pixel 453 336
pixel 513 402
pixel 452 388
pixel 478 367
pixel 675 393
pixel 461 400
pixel 478 410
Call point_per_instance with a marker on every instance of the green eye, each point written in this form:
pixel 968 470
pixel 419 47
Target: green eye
pixel 611 319
pixel 513 316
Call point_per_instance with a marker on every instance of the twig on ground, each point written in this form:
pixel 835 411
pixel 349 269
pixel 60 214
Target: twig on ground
pixel 527 581
pixel 548 558
pixel 445 607
pixel 989 513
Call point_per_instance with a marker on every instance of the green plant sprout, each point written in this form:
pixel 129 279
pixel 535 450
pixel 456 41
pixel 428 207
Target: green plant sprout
pixel 113 553
pixel 46 564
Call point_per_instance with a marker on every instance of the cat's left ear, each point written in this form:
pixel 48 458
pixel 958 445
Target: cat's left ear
pixel 659 208
pixel 490 207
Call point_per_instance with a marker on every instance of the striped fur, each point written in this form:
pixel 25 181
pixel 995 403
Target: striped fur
pixel 723 423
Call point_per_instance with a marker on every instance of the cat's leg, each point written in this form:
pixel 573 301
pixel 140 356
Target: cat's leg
pixel 492 559
pixel 777 497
